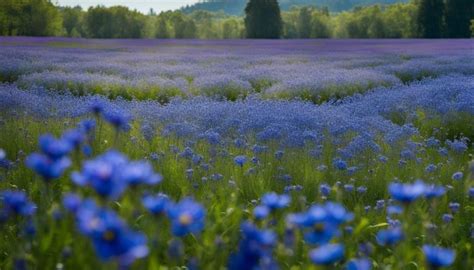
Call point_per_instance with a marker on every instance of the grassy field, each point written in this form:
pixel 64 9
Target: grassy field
pixel 225 155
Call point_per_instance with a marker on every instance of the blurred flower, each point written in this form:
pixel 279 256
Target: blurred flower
pixel 261 212
pixel 433 191
pixel 111 238
pixel 359 264
pixel 156 204
pixel 438 257
pixel 457 176
pixel 407 192
pixel 327 254
pixel 140 172
pixel 103 174
pixel 72 202
pixel 46 167
pixel 389 237
pixel 186 217
pixel 274 201
pixel 240 160
pixel 15 203
pixel 325 189
pixel 54 148
pixel 255 249
pixel 447 218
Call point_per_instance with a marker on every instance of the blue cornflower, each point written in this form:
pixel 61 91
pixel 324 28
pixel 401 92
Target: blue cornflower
pixel 359 264
pixel 325 189
pixel 3 155
pixel 389 237
pixel 111 238
pixel 255 249
pixel 72 202
pixel 447 218
pixel 54 148
pixel 87 125
pixel 394 210
pixel 103 174
pixel 274 201
pixel 349 187
pixel 46 167
pixel 340 164
pixel 471 192
pixel 327 254
pixel 140 172
pixel 362 189
pixel 156 204
pixel 261 212
pixel 433 191
pixel 240 160
pixel 438 257
pixel 15 203
pixel 74 137
pixel 187 216
pixel 407 192
pixel 379 204
pixel 117 119
pixel 457 176
pixel 454 206
pixel 279 154
pixel 431 168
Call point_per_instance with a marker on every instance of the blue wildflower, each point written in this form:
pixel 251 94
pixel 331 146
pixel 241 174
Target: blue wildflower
pixel 433 191
pixel 454 206
pixel 103 174
pixel 72 202
pixel 340 164
pixel 407 192
pixel 274 201
pixel 74 137
pixel 325 189
pixel 140 172
pixel 117 119
pixel 15 203
pixel 46 167
pixel 447 218
pixel 111 238
pixel 438 257
pixel 261 212
pixel 457 176
pixel 389 237
pixel 240 160
pixel 255 249
pixel 186 217
pixel 156 204
pixel 54 148
pixel 349 187
pixel 327 254
pixel 359 264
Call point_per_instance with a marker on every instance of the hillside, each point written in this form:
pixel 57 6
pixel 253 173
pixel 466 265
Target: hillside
pixel 236 7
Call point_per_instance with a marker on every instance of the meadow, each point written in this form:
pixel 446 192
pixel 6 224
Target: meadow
pixel 318 154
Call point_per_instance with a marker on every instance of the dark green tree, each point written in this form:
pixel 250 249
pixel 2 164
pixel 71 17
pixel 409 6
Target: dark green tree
pixel 458 15
pixel 162 28
pixel 304 22
pixel 72 21
pixel 263 19
pixel 430 18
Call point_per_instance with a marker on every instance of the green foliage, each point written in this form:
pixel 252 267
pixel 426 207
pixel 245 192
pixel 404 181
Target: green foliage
pixel 29 18
pixel 263 19
pixel 114 22
pixel 458 16
pixel 430 18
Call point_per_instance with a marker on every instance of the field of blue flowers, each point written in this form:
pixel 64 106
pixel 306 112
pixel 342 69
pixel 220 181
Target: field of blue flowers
pixel 236 154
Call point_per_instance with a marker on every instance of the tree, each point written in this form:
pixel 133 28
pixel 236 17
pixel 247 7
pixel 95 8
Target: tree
pixel 458 15
pixel 263 19
pixel 304 22
pixel 162 28
pixel 72 21
pixel 430 18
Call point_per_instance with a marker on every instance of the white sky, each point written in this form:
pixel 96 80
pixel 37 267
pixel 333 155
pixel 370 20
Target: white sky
pixel 141 5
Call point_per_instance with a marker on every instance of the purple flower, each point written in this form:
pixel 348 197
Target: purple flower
pixel 457 176
pixel 261 212
pixel 140 172
pixel 240 160
pixel 54 148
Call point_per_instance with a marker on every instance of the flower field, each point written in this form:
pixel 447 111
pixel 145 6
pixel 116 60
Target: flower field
pixel 144 154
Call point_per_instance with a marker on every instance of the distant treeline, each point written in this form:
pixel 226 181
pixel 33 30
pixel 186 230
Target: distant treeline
pixel 418 18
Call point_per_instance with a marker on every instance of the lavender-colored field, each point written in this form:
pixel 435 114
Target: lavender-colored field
pixel 316 70
pixel 315 154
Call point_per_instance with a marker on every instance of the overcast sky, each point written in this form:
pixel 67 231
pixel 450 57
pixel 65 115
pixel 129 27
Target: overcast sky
pixel 141 5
